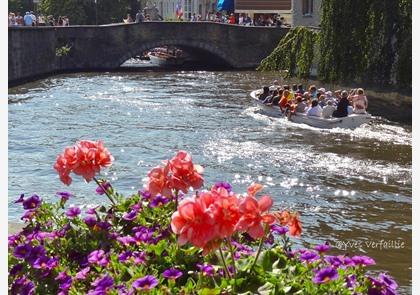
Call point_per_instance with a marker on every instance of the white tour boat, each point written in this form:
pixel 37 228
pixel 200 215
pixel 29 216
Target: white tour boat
pixel 350 122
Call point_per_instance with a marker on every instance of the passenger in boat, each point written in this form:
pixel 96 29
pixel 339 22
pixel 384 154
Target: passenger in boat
pixel 300 89
pixel 329 97
pixel 276 84
pixel 322 91
pixel 337 94
pixel 265 94
pixel 359 102
pixel 128 20
pixel 290 96
pixel 328 110
pixel 276 99
pixel 321 100
pixel 269 99
pixel 312 91
pixel 300 106
pixel 315 110
pixel 342 107
pixel 284 102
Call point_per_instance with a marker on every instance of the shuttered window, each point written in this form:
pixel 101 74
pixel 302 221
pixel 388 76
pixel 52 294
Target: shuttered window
pixel 307 7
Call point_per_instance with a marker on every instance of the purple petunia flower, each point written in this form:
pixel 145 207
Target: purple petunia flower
pixel 225 185
pixel 65 196
pixel 91 211
pixel 335 261
pixel 146 195
pixel 363 260
pixel 145 283
pixel 28 215
pixel 23 286
pixel 81 275
pixel 73 212
pixel 98 257
pixel 13 240
pixel 21 199
pixel 206 269
pixel 281 230
pixel 139 257
pixel 126 240
pixel 103 283
pixel 158 201
pixel 90 220
pixel 308 256
pixel 351 281
pixel 64 280
pixel 130 215
pixel 21 251
pixel 17 268
pixel 124 256
pixel 45 263
pixel 383 285
pixel 172 273
pixel 322 248
pixel 35 253
pixel 32 202
pixel 325 275
pixel 105 188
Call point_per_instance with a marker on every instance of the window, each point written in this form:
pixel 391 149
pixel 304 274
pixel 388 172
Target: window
pixel 307 7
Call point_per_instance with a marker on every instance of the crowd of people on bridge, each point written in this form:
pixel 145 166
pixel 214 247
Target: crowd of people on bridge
pixel 267 20
pixel 315 101
pixel 243 19
pixel 30 19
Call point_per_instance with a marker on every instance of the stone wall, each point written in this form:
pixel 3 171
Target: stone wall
pixel 32 51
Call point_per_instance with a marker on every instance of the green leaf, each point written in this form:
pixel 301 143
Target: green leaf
pixel 266 289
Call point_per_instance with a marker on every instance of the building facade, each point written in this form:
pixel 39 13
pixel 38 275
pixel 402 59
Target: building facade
pixel 295 12
pixel 306 13
pixel 168 8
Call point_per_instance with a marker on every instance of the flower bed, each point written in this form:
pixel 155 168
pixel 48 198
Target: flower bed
pixel 172 238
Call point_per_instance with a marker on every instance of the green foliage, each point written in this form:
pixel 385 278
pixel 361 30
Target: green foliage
pixel 62 51
pixel 367 41
pixel 20 6
pixel 360 41
pixel 82 12
pixel 294 53
pixel 73 9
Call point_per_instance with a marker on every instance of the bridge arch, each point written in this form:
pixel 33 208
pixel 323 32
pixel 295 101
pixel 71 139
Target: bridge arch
pixel 209 50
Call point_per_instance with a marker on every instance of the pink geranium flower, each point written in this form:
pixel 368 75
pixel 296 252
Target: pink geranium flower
pixel 193 223
pixel 86 159
pixel 178 174
pixel 253 215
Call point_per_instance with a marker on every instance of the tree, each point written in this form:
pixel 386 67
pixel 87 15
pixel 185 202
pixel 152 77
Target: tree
pixel 20 6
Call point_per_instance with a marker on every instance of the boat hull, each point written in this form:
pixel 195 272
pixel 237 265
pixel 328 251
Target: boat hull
pixel 268 110
pixel 165 61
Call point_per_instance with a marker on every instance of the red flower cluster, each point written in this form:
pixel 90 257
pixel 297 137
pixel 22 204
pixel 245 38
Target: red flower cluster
pixel 205 220
pixel 86 158
pixel 290 219
pixel 179 174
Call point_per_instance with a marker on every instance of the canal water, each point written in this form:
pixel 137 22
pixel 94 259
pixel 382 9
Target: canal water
pixel 352 188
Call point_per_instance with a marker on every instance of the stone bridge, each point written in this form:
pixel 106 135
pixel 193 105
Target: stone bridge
pixel 32 50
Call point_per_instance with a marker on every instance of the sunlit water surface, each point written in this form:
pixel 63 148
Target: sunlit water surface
pixel 352 187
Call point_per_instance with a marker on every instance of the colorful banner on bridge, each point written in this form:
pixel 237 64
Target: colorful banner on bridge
pixel 227 5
